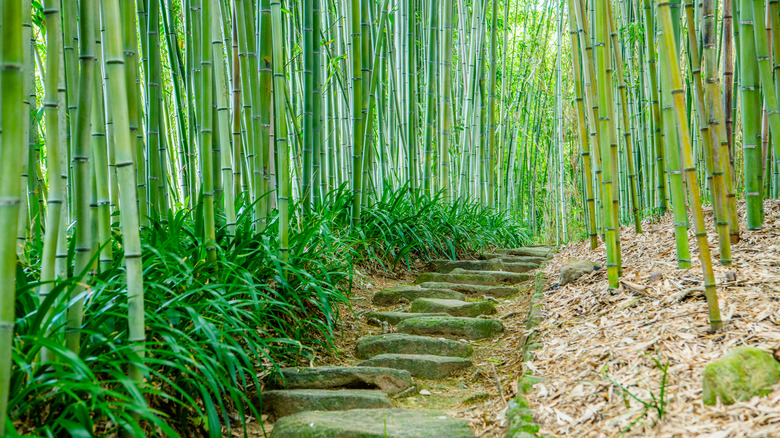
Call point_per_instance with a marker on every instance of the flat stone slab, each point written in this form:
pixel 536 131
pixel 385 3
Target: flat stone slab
pixel 499 277
pixel 520 267
pixel 387 380
pixel 281 403
pixel 424 366
pixel 446 266
pixel 451 327
pixel 452 307
pixel 475 289
pixel 484 278
pixel 512 259
pixel 529 251
pixel 410 344
pixel 391 297
pixel 394 318
pixel 371 423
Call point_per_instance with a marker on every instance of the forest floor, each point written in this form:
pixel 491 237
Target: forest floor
pixel 592 336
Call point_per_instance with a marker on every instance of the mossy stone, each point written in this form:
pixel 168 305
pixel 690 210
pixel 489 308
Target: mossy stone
pixel 393 296
pixel 426 306
pixel 445 266
pixel 410 344
pixel 281 403
pixel 574 269
pixel 474 289
pixel 424 366
pixel 741 374
pixel 394 318
pixel 452 327
pixel 386 380
pixel 372 423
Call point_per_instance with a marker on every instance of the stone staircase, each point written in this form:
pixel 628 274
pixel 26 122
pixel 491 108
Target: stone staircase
pixel 449 306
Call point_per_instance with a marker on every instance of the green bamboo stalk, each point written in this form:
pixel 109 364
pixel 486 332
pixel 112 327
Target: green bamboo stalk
pixel 82 179
pixel 431 92
pixel 767 79
pixel 751 111
pixel 282 145
pixel 671 65
pixel 129 219
pixel 658 128
pixel 602 59
pixel 674 167
pixel 206 132
pixel 583 129
pixel 11 115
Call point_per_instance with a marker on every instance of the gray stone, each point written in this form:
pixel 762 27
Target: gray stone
pixel 445 266
pixel 394 318
pixel 451 327
pixel 391 297
pixel 475 289
pixel 410 344
pixel 574 269
pixel 520 267
pixel 281 403
pixel 452 307
pixel 529 251
pixel 424 366
pixel 386 380
pixel 371 423
pixel 485 278
pixel 513 259
pixel 741 374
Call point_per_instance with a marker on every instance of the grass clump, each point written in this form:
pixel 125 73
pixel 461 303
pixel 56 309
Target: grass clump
pixel 214 329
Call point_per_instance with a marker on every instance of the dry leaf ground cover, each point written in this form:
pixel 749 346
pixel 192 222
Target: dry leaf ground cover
pixel 591 335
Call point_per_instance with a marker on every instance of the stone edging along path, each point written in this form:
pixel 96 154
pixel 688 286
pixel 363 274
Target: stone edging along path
pixel 431 341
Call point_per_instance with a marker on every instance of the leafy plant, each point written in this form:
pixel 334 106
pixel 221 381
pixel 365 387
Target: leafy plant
pixel 656 403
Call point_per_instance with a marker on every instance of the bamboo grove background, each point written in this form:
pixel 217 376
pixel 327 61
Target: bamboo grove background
pixel 178 172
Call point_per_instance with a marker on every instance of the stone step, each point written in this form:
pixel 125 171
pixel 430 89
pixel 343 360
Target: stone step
pixel 387 380
pixel 393 296
pixel 512 259
pixel 423 366
pixel 475 289
pixel 281 403
pixel 446 266
pixel 426 306
pixel 410 344
pixel 372 423
pixel 529 251
pixel 394 318
pixel 520 267
pixel 451 327
pixel 484 278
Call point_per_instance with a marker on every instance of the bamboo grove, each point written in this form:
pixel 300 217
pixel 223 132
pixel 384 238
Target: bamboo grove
pixel 658 121
pixel 120 117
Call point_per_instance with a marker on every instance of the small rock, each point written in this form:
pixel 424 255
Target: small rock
pixel 656 276
pixel 743 373
pixel 575 269
pixel 425 392
pixel 731 276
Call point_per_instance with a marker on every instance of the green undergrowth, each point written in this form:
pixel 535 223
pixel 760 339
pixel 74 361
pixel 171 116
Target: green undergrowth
pixel 214 329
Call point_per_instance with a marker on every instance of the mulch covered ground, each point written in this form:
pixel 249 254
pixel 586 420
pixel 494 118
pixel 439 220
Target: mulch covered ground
pixel 601 344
